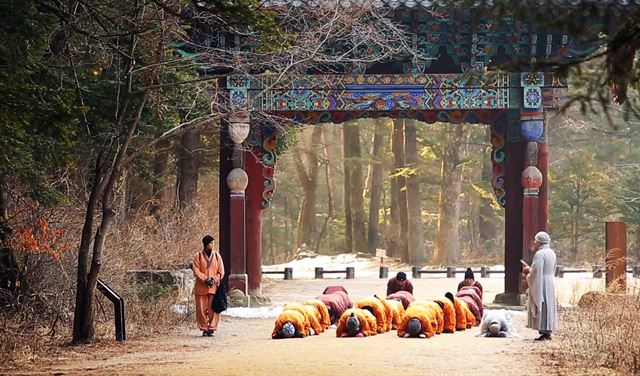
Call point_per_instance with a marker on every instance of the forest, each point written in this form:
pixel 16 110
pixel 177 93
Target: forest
pixel 443 172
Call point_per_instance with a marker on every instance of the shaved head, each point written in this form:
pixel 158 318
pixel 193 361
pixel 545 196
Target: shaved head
pixel 494 328
pixel 414 327
pixel 353 325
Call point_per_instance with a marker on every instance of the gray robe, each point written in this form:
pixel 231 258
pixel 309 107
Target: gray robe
pixel 501 317
pixel 541 313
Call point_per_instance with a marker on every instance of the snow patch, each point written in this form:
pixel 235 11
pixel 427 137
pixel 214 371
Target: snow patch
pixel 253 313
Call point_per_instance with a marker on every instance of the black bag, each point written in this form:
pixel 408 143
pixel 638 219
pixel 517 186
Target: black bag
pixel 219 303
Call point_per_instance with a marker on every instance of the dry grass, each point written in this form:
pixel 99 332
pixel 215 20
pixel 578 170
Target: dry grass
pixel 601 335
pixel 38 321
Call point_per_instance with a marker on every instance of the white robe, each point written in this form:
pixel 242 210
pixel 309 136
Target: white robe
pixel 501 317
pixel 541 313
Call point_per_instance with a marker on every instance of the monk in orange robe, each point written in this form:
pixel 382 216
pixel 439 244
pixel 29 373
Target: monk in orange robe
pixel 461 314
pixel 416 322
pixel 375 306
pixel 435 313
pixel 449 315
pixel 356 322
pixel 322 312
pixel 291 324
pixel 310 313
pixel 397 313
pixel 209 271
pixel 387 311
pixel 471 318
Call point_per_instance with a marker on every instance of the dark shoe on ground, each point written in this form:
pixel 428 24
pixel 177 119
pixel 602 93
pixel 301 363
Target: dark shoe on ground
pixel 205 333
pixel 210 333
pixel 543 337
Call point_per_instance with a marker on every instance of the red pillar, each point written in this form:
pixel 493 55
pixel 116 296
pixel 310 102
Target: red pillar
pixel 529 225
pixel 543 195
pixel 616 256
pixel 253 167
pixel 513 226
pixel 237 269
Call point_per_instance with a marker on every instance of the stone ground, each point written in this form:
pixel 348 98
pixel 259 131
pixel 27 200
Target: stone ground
pixel 244 346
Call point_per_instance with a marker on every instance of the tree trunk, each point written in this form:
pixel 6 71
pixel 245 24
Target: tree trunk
pixel 356 188
pixel 576 229
pixel 160 190
pixel 188 166
pixel 373 238
pixel 328 167
pixel 348 168
pixel 308 178
pixel 101 194
pixel 417 252
pixel 488 222
pixel 399 194
pixel 448 238
pixel 9 269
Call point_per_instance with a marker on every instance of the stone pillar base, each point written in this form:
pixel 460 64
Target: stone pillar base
pixel 239 282
pixel 237 298
pixel 260 301
pixel 511 298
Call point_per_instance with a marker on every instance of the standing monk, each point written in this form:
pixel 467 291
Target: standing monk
pixel 541 303
pixel 209 271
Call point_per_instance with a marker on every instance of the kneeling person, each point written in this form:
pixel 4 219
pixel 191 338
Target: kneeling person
pixel 497 323
pixel 356 322
pixel 416 323
pixel 291 324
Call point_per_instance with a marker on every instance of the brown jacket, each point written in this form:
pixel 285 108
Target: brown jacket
pixel 207 267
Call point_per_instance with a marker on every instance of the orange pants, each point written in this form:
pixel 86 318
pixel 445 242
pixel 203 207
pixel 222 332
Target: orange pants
pixel 206 318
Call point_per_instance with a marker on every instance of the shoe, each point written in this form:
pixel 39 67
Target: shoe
pixel 543 337
pixel 407 335
pixel 422 335
pixel 210 333
pixel 360 335
pixel 205 333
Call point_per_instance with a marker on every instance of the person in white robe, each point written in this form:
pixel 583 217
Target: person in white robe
pixel 542 314
pixel 497 323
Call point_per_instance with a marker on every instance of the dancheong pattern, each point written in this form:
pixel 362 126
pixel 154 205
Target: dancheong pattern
pixel 372 93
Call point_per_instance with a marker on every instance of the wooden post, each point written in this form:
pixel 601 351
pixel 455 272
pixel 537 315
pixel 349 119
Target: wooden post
pixel 415 272
pixel 351 272
pixel 597 271
pixel 288 273
pixel 560 271
pixel 319 272
pixel 451 272
pixel 384 272
pixel 484 271
pixel 616 256
pixel 636 271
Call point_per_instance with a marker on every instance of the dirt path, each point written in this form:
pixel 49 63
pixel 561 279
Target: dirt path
pixel 244 347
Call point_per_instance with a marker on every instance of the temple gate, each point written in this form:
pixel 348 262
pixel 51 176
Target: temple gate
pixel 455 82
